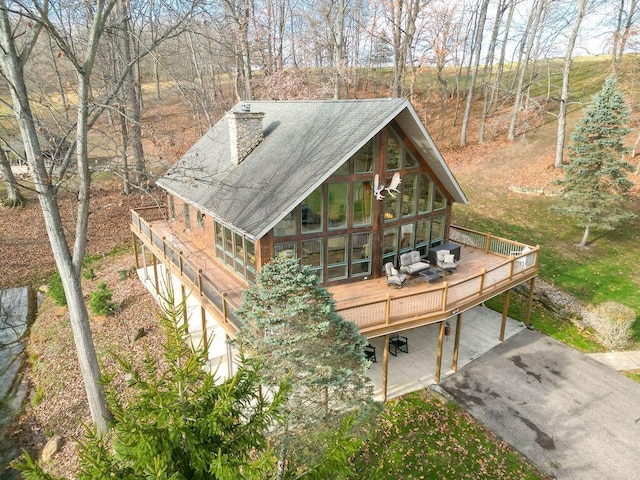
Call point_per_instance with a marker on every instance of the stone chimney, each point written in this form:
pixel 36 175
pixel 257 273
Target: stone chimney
pixel 245 132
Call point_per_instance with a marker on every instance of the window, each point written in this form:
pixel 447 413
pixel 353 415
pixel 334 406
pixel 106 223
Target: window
pixel 338 201
pixel 390 246
pixel 422 236
pixel 439 200
pixel 410 183
pixel 187 217
pixel 228 246
pixel 239 252
pixel 391 204
pixel 424 196
pixel 200 219
pixel 250 260
pixel 218 234
pixel 362 203
pixel 311 212
pixel 407 237
pixel 437 230
pixel 360 254
pixel 364 160
pixel 287 249
pixel 286 226
pixel 337 257
pixel 312 256
pixel 172 208
pixel 409 160
pixel 394 154
pixel 343 169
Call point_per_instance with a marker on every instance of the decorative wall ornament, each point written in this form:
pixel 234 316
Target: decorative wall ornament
pixel 393 186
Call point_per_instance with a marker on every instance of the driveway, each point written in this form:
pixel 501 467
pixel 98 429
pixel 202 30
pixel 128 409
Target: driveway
pixel 571 416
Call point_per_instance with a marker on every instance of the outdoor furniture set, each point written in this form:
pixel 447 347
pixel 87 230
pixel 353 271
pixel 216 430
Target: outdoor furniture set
pixel 442 259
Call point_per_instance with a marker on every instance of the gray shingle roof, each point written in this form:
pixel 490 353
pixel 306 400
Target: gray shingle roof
pixel 304 142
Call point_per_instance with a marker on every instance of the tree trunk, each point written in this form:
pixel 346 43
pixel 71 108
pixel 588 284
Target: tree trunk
pixel 564 96
pixel 14 197
pixel 585 236
pixel 69 266
pixel 517 105
pixel 477 47
pixel 131 98
pixel 126 186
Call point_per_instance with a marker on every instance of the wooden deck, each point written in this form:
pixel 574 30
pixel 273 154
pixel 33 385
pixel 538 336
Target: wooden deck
pixel 486 269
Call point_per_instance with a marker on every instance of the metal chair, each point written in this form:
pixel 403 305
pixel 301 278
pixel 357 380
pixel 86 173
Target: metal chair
pixel 398 343
pixel 370 353
pixel 394 277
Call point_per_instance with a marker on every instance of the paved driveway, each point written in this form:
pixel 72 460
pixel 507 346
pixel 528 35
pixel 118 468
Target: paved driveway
pixel 572 416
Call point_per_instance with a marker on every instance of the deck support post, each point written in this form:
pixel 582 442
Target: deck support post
pixel 456 345
pixel 183 292
pixel 203 323
pixel 229 356
pixel 527 318
pixel 439 354
pixel 385 367
pixel 505 311
pixel 135 249
pixel 155 273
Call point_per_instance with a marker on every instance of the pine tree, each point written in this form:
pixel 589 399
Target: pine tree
pixel 175 422
pixel 595 187
pixel 291 324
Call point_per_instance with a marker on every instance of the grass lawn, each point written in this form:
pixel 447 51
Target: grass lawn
pixel 418 437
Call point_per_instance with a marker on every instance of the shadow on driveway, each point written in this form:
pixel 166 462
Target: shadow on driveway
pixel 571 416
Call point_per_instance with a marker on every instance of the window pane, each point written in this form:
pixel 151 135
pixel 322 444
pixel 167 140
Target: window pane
pixel 239 252
pixel 187 216
pixel 424 198
pixel 228 246
pixel 219 237
pixel 391 204
pixel 364 160
pixel 409 198
pixel 360 254
pixel 390 245
pixel 343 169
pixel 439 200
pixel 312 252
pixel 337 272
pixel 286 226
pixel 338 199
pixel 393 152
pixel 422 236
pixel 251 254
pixel 311 212
pixel 172 208
pixel 200 219
pixel 362 203
pixel 437 230
pixel 406 237
pixel 287 249
pixel 409 160
pixel 337 249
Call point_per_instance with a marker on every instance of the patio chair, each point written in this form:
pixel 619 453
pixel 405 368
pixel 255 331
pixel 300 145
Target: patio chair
pixel 370 353
pixel 394 278
pixel 398 343
pixel 446 260
pixel 523 258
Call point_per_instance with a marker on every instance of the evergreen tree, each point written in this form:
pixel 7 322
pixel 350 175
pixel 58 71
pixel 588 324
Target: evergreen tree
pixel 595 187
pixel 292 325
pixel 175 422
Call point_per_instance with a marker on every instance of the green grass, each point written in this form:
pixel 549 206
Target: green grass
pixel 419 438
pixel 633 375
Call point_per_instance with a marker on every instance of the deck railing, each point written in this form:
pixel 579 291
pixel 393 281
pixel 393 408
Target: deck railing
pixel 445 299
pixel 189 274
pixel 434 304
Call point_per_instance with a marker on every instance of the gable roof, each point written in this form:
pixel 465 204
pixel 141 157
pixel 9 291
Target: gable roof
pixel 304 143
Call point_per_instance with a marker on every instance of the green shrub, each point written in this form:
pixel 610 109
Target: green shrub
pixel 56 290
pixel 100 300
pixel 612 323
pixel 89 274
